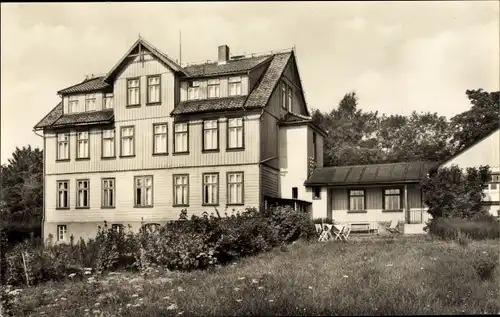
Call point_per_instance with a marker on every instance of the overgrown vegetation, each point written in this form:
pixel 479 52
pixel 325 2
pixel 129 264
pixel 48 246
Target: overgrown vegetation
pixel 198 243
pixel 359 277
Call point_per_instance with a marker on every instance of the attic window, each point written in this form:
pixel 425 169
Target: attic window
pixel 194 90
pixel 213 88
pixel 235 86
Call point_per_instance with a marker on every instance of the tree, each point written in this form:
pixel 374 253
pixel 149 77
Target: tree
pixel 472 125
pixel 22 193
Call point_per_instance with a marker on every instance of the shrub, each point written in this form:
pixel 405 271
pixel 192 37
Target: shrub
pixel 450 228
pixel 485 265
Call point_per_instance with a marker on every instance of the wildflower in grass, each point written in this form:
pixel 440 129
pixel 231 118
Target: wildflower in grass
pixel 254 281
pixel 389 264
pixel 239 300
pixel 86 310
pixel 72 275
pixel 166 297
pixel 180 313
pixel 271 300
pixel 345 276
pixel 172 307
pixel 128 305
pixel 310 287
pixel 96 304
pixel 63 298
pixel 87 272
pixel 260 287
pixel 135 295
pixel 241 278
pixel 180 289
pixel 96 311
pixel 136 305
pixel 236 289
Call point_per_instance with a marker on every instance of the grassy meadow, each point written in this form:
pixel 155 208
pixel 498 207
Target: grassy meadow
pixel 369 276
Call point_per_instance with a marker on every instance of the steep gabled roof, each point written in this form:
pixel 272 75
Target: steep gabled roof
pixel 389 173
pixel 157 53
pixel 88 85
pixel 86 118
pixel 231 67
pixel 51 117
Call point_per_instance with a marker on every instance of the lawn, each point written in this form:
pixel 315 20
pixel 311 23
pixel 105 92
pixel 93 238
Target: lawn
pixel 379 276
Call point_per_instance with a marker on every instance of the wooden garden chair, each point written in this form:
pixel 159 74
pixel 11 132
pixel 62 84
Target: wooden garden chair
pixel 326 234
pixel 346 231
pixel 393 228
pixel 339 229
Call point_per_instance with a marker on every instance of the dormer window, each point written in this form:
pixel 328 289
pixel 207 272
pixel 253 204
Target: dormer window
pixel 108 101
pixel 213 88
pixel 235 86
pixel 90 102
pixel 194 90
pixel 286 96
pixel 73 104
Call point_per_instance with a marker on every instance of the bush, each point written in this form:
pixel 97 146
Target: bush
pixel 483 227
pixel 186 244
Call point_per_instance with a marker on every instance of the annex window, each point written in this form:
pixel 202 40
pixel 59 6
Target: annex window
pixel 210 135
pixel 235 188
pixel 213 88
pixel 160 138
pixel 62 233
pixel 108 143
pixel 127 141
pixel 63 194
pixel 90 102
pixel 108 101
pixel 181 135
pixel 235 86
pixel 210 189
pixel 290 98
pixel 392 199
pixel 82 193
pixel 235 133
pixel 63 146
pixel 356 199
pixel 108 192
pixel 73 104
pixel 181 190
pixel 494 181
pixel 283 95
pixel 154 94
pixel 316 192
pixel 82 144
pixel 143 191
pixel 295 192
pixel 194 90
pixel 133 92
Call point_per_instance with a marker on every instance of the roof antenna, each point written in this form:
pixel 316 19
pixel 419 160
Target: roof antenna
pixel 180 48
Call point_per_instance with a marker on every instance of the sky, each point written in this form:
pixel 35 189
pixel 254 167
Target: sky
pixel 397 56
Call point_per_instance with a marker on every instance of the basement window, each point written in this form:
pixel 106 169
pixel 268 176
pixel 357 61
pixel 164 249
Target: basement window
pixel 317 193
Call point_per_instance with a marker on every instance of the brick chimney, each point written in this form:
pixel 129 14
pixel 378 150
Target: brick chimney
pixel 223 54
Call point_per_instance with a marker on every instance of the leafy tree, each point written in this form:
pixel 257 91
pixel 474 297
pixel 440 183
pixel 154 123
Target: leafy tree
pixel 449 192
pixel 481 119
pixel 22 193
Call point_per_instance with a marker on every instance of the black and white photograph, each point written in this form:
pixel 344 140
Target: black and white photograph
pixel 249 158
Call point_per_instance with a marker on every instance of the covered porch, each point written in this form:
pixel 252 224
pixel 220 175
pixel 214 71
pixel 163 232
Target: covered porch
pixel 370 197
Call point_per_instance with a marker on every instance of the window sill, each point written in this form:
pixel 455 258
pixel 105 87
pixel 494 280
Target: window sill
pixel 235 204
pixel 62 208
pixel 316 198
pixel 210 205
pixel 392 210
pixel 108 157
pixel 210 151
pixel 107 207
pixel 356 211
pixel 63 160
pixel 180 205
pixel 82 159
pixel 82 207
pixel 133 106
pixel 126 156
pixel 137 206
pixel 235 149
pixel 154 103
pixel 160 154
pixel 181 153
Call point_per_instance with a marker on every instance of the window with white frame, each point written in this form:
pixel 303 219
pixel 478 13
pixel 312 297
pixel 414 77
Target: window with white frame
pixel 211 189
pixel 90 102
pixel 392 199
pixel 235 188
pixel 154 94
pixel 160 138
pixel 127 141
pixel 73 104
pixel 82 193
pixel 108 143
pixel 181 190
pixel 63 146
pixel 133 92
pixel 235 133
pixel 356 199
pixel 62 233
pixel 194 90
pixel 108 192
pixel 235 86
pixel 62 194
pixel 210 135
pixel 143 191
pixel 290 98
pixel 494 182
pixel 213 88
pixel 108 101
pixel 181 135
pixel 82 144
pixel 283 95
